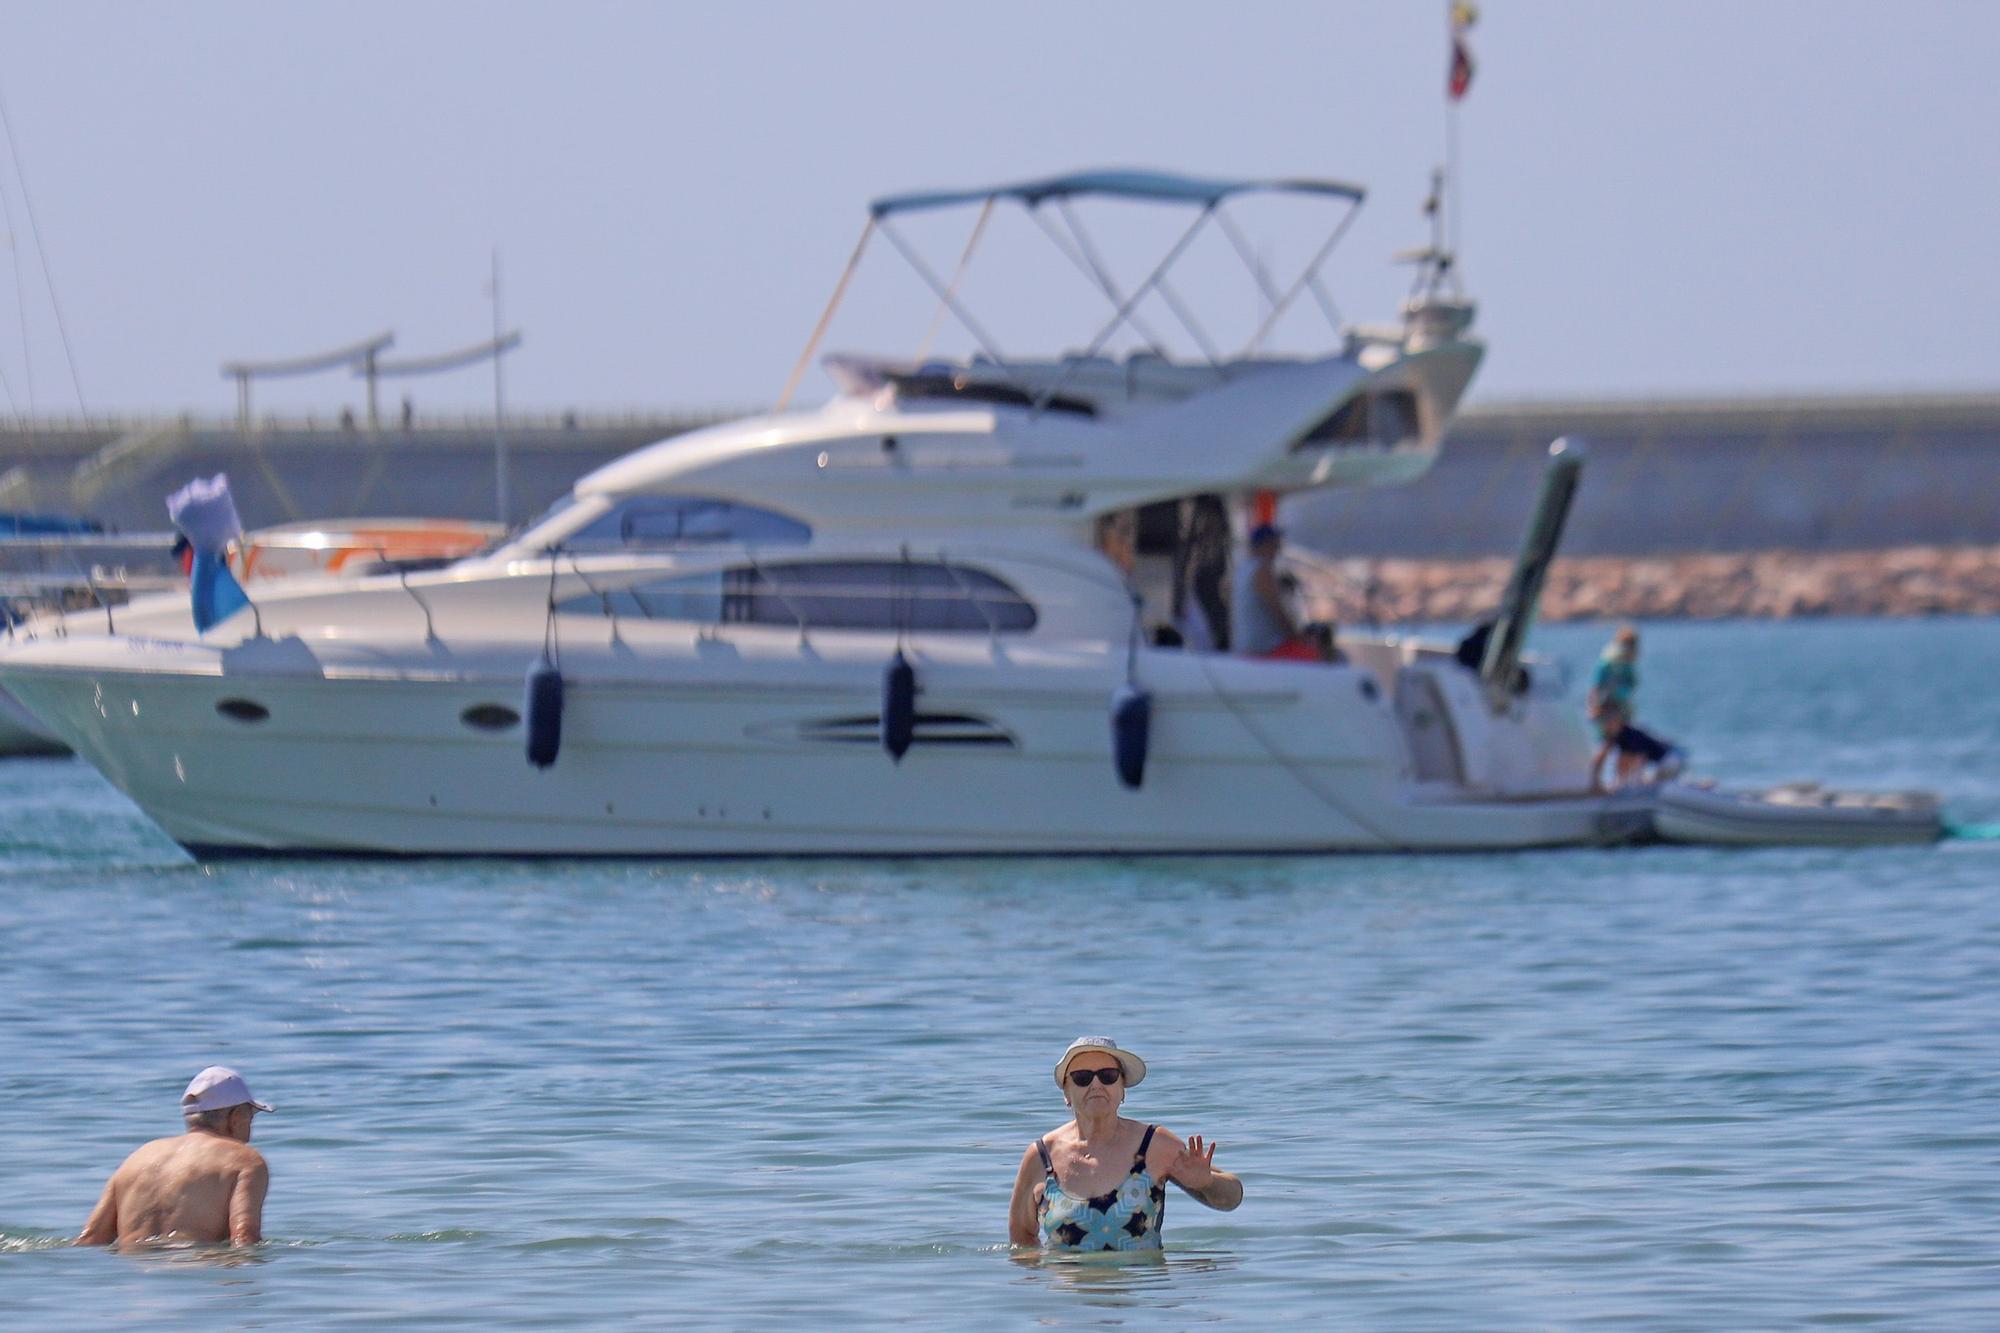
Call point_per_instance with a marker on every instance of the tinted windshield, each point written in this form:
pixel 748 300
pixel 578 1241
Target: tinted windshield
pixel 656 521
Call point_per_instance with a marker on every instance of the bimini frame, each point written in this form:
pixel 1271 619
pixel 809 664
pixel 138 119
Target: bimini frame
pixel 1206 196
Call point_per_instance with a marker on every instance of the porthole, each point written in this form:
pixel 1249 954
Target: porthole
pixel 242 710
pixel 489 717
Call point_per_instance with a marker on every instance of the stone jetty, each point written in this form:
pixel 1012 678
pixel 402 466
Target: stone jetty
pixel 1896 581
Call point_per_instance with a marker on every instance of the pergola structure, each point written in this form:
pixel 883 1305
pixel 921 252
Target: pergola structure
pixel 440 362
pixel 365 358
pixel 362 355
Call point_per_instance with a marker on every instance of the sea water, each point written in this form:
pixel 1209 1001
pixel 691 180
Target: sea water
pixel 1652 1088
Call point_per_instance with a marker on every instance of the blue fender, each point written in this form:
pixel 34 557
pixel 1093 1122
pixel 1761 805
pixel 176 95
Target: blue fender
pixel 899 706
pixel 1131 731
pixel 543 710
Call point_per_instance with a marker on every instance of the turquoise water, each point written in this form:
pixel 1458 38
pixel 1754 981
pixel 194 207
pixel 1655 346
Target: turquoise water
pixel 1666 1087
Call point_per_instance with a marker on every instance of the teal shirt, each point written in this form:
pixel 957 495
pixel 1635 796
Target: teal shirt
pixel 1617 681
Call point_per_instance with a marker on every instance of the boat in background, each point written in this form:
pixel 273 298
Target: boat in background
pixel 73 581
pixel 359 546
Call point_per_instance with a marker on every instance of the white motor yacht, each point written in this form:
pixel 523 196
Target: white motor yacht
pixel 885 626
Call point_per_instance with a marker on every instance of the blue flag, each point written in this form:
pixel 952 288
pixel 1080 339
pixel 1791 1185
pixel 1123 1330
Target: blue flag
pixel 217 595
pixel 204 511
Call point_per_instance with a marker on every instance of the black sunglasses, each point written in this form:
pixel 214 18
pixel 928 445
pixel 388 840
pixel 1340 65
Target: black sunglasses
pixel 1083 1078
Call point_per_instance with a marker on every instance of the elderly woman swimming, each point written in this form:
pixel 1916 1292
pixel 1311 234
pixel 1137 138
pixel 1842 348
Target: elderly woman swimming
pixel 1100 1182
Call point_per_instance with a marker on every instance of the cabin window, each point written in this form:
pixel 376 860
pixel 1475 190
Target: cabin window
pixel 1369 418
pixel 915 595
pixel 692 597
pixel 654 522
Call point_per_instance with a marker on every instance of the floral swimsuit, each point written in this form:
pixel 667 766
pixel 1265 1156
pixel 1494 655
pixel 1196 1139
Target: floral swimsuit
pixel 1126 1217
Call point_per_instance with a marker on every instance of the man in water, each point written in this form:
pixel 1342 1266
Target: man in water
pixel 204 1185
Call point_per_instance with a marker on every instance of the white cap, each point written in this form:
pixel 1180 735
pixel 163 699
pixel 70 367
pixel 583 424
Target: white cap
pixel 1129 1064
pixel 217 1088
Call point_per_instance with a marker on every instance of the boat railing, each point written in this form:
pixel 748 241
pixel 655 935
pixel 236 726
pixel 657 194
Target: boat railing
pixel 958 581
pixel 403 577
pixel 778 592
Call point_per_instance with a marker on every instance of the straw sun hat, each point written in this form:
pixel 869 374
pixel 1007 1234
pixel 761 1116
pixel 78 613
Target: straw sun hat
pixel 1130 1065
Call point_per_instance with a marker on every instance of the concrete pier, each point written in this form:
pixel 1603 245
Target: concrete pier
pixel 119 472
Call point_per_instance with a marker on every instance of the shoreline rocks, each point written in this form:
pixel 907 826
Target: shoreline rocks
pixel 1896 581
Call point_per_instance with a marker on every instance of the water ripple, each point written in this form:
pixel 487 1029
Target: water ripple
pixel 1672 1088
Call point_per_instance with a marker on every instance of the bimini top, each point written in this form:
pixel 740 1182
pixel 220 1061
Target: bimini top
pixel 1156 186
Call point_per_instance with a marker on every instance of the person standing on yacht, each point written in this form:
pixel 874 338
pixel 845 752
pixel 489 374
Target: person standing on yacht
pixel 1260 623
pixel 1100 1182
pixel 1617 678
pixel 206 1185
pixel 1201 571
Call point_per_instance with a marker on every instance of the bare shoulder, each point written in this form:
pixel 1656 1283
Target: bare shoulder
pixel 209 1152
pixel 1165 1147
pixel 146 1154
pixel 1062 1134
pixel 246 1158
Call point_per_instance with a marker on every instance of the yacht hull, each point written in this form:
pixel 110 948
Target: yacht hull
pixel 22 734
pixel 1303 761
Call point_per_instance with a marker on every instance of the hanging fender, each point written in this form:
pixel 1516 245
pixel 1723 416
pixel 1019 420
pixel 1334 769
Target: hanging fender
pixel 899 706
pixel 1131 730
pixel 543 709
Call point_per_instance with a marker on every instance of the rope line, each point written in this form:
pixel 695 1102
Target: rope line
pixel 20 308
pixel 1291 765
pixel 48 279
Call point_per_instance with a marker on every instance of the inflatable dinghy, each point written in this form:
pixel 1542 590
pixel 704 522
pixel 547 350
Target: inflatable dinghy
pixel 1795 814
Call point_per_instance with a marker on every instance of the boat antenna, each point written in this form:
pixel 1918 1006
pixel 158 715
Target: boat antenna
pixel 1461 15
pixel 1433 264
pixel 502 500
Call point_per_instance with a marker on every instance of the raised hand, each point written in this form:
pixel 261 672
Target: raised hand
pixel 1195 1167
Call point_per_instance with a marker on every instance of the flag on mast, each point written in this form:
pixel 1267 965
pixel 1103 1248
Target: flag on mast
pixel 1463 16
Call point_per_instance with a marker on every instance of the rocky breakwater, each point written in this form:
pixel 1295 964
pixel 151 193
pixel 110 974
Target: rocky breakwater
pixel 1898 581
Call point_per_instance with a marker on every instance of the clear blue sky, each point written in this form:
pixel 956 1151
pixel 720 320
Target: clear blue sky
pixel 1689 197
